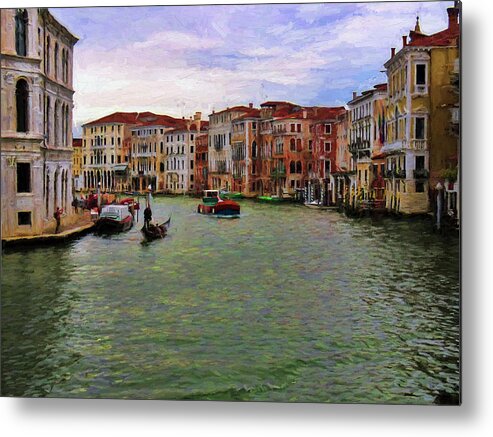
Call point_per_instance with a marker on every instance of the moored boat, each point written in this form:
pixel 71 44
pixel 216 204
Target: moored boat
pixel 114 218
pixel 269 199
pixel 213 204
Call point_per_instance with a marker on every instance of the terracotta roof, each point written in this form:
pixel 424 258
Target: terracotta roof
pixel 136 118
pixel 447 37
pixel 276 103
pixel 253 113
pixel 76 142
pixel 314 113
pixel 234 108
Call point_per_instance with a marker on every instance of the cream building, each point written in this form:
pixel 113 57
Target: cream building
pixel 220 154
pixel 36 121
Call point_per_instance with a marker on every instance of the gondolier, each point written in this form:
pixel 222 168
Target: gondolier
pixel 147 216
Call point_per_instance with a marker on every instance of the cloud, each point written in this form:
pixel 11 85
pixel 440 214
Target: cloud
pixel 179 60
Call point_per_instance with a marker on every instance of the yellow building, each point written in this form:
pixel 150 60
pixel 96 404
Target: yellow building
pixel 77 164
pixel 419 144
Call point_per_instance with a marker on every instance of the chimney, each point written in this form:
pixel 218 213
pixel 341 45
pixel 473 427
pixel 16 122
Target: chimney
pixel 355 93
pixel 392 52
pixel 198 120
pixel 305 113
pixel 453 17
pixel 404 40
pixel 250 105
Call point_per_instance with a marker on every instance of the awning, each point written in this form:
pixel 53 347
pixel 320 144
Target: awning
pixel 120 168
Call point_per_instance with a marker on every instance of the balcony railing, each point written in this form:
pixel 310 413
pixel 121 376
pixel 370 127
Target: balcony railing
pixel 418 145
pixel 421 173
pixel 359 145
pixel 395 173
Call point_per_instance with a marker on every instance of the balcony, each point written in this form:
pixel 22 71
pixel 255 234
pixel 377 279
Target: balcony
pixel 421 173
pixel 419 145
pixel 395 173
pixel 359 145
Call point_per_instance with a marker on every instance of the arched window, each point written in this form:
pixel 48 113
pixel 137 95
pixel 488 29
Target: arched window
pixel 254 149
pixel 292 167
pixel 298 167
pixel 48 54
pixel 48 121
pixel 396 124
pixel 21 32
pixel 292 145
pixel 298 145
pixel 21 100
pixel 57 124
pixel 56 60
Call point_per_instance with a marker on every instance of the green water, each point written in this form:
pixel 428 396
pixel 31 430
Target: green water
pixel 284 304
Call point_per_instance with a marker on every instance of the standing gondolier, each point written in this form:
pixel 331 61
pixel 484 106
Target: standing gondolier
pixel 148 211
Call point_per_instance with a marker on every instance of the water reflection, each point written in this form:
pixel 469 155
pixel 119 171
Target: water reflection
pixel 284 304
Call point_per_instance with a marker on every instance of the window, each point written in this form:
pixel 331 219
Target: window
pixel 191 165
pixel 292 167
pixel 328 146
pixel 24 218
pixel 420 162
pixel 298 127
pixel 112 159
pixel 292 145
pixel 420 187
pixel 310 145
pixel 293 128
pixel 23 177
pixel 327 168
pixel 328 128
pixel 420 128
pixel 21 99
pixel 191 149
pixel 298 167
pixel 298 145
pixel 420 74
pixel 191 137
pixel 254 149
pixel 21 32
pixel 56 60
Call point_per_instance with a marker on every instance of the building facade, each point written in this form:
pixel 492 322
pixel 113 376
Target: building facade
pixel 201 163
pixel 366 139
pixel 220 153
pixel 36 124
pixel 77 159
pixel 419 146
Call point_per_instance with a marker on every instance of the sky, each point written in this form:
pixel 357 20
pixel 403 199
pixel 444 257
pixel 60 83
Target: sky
pixel 177 60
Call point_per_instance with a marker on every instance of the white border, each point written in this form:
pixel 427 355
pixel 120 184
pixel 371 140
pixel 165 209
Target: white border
pixel 52 417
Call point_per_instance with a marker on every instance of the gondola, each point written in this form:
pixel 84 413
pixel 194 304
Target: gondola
pixel 153 232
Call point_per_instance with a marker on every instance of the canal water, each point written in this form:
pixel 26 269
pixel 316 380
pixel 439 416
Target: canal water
pixel 284 304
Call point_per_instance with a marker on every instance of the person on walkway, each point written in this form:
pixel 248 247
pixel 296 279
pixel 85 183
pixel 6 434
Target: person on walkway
pixel 75 204
pixel 57 215
pixel 147 216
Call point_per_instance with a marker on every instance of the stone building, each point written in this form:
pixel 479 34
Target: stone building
pixel 366 139
pixel 180 156
pixel 148 153
pixel 245 154
pixel 36 121
pixel 419 145
pixel 201 163
pixel 220 157
pixel 107 146
pixel 77 159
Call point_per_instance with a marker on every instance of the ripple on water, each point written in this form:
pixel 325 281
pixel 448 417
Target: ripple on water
pixel 284 304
